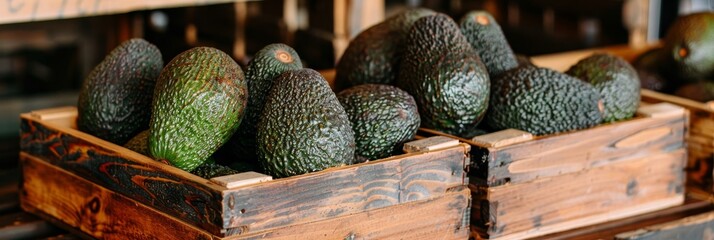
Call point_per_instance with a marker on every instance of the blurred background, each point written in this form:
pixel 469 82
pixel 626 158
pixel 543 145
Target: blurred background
pixel 47 47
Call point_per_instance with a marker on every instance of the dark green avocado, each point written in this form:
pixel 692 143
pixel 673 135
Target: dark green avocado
pixel 486 37
pixel 542 101
pixel 445 76
pixel 115 100
pixel 303 127
pixel 268 64
pixel 198 104
pixel 374 55
pixel 139 143
pixel 383 118
pixel 689 43
pixel 615 79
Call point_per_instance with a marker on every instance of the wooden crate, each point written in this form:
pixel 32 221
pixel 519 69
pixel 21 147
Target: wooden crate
pixel 107 191
pixel 525 186
pixel 701 133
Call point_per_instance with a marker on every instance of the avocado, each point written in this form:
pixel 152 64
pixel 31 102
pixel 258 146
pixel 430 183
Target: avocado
pixel 268 64
pixel 445 76
pixel 114 102
pixel 373 56
pixel 702 91
pixel 486 37
pixel 542 101
pixel 616 81
pixel 210 169
pixel 139 143
pixel 303 127
pixel 689 44
pixel 653 71
pixel 383 117
pixel 199 101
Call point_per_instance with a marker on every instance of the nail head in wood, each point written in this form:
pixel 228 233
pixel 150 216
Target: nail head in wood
pixel 241 179
pixel 430 144
pixel 503 138
pixel 661 110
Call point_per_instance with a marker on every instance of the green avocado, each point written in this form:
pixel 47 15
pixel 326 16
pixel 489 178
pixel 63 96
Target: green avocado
pixel 115 99
pixel 198 104
pixel 689 44
pixel 383 118
pixel 139 143
pixel 303 127
pixel 445 76
pixel 374 55
pixel 268 64
pixel 615 79
pixel 210 169
pixel 542 101
pixel 486 37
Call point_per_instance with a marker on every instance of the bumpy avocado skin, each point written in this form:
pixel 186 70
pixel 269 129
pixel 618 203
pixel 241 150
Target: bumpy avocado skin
pixel 374 55
pixel 115 99
pixel 445 76
pixel 210 169
pixel 303 127
pixel 198 104
pixel 689 43
pixel 383 118
pixel 263 69
pixel 139 143
pixel 542 101
pixel 615 79
pixel 486 37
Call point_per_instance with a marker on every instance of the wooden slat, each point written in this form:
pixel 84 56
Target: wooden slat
pixel 102 213
pixel 241 179
pixel 587 197
pixel 440 218
pixel 694 227
pixel 578 150
pixel 95 210
pixel 221 211
pixel 502 138
pixel 343 191
pixel 430 144
pixel 37 10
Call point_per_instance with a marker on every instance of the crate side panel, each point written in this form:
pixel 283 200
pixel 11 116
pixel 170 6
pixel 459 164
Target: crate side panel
pixel 347 191
pixel 584 149
pixel 171 193
pixel 612 191
pixel 438 218
pixel 101 213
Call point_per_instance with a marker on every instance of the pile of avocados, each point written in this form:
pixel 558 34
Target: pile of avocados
pixel 203 113
pixel 684 64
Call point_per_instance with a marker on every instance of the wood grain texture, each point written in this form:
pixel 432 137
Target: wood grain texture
pixel 343 191
pixel 223 212
pixel 439 218
pixel 95 210
pixel 582 198
pixel 163 187
pixel 694 227
pixel 102 213
pixel 700 141
pixel 576 151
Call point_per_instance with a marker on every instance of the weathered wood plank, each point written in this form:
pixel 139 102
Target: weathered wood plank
pixel 95 210
pixel 102 213
pixel 694 227
pixel 503 138
pixel 161 186
pixel 700 142
pixel 344 191
pixel 577 151
pixel 587 197
pixel 440 218
pixel 241 179
pixel 430 144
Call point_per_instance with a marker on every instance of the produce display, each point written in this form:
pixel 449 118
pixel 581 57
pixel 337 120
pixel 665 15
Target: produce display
pixel 417 69
pixel 684 64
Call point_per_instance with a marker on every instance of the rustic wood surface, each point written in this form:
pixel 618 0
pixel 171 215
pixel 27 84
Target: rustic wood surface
pixel 247 209
pixel 608 230
pixel 578 199
pixel 700 141
pixel 695 227
pixel 102 213
pixel 95 210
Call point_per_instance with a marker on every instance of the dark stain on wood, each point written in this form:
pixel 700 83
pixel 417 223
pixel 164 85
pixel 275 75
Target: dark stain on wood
pixel 537 221
pixel 632 187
